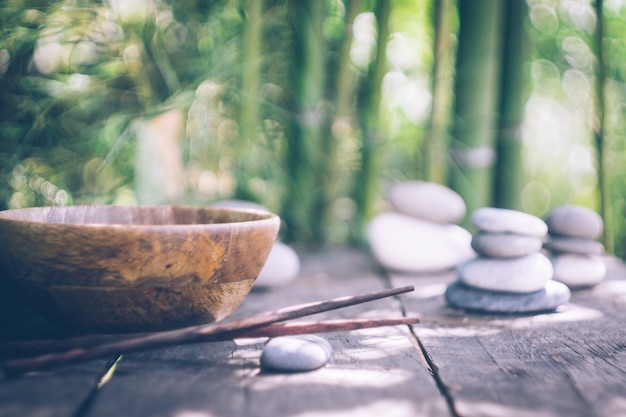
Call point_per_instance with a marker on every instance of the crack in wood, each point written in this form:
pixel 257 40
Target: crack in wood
pixel 104 377
pixel 443 388
pixel 433 369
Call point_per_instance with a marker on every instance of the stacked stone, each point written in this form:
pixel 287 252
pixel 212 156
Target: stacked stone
pixel 573 247
pixel 510 275
pixel 419 233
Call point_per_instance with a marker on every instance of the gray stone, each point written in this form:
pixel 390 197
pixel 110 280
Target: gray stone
pixel 505 245
pixel 550 297
pixel 427 201
pixel 578 270
pixel 404 243
pixel 282 266
pixel 523 274
pixel 575 221
pixel 497 220
pixel 579 245
pixel 295 353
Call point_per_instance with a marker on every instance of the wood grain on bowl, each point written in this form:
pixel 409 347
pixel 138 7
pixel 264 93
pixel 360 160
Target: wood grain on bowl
pixel 115 268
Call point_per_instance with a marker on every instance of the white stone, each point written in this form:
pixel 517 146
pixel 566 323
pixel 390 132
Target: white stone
pixel 427 201
pixel 579 245
pixel 497 220
pixel 578 270
pixel 505 245
pixel 575 221
pixel 523 274
pixel 403 243
pixel 282 266
pixel 295 353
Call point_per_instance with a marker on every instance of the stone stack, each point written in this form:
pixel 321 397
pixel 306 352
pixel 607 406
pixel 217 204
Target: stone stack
pixel 510 275
pixel 573 247
pixel 419 233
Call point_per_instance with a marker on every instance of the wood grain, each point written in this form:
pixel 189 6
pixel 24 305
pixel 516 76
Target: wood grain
pixel 372 372
pixel 451 364
pixel 566 363
pixel 130 269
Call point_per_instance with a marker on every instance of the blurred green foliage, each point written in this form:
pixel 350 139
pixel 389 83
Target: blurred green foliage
pixel 81 81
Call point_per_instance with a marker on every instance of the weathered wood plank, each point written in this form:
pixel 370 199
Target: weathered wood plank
pixel 371 372
pixel 571 362
pixel 175 381
pixel 49 394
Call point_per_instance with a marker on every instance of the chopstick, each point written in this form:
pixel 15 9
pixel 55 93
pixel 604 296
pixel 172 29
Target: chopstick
pixel 28 348
pixel 31 347
pixel 211 332
pixel 326 326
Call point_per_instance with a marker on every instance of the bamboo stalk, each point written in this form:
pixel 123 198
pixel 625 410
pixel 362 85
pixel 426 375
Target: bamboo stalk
pixel 599 133
pixel 476 88
pixel 345 78
pixel 366 189
pixel 193 334
pixel 249 116
pixel 303 155
pixel 435 142
pixel 508 175
pixel 334 175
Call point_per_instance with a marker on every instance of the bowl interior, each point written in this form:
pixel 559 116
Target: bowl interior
pixel 135 215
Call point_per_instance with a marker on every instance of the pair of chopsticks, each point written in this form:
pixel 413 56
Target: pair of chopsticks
pixel 269 324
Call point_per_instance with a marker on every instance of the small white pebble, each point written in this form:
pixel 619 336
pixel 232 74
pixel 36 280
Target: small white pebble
pixel 295 353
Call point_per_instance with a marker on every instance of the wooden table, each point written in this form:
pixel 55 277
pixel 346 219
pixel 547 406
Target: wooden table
pixel 568 363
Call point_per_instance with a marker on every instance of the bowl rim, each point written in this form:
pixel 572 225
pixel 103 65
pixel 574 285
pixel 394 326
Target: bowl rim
pixel 266 216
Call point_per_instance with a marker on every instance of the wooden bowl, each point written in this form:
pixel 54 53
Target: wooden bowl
pixel 133 269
